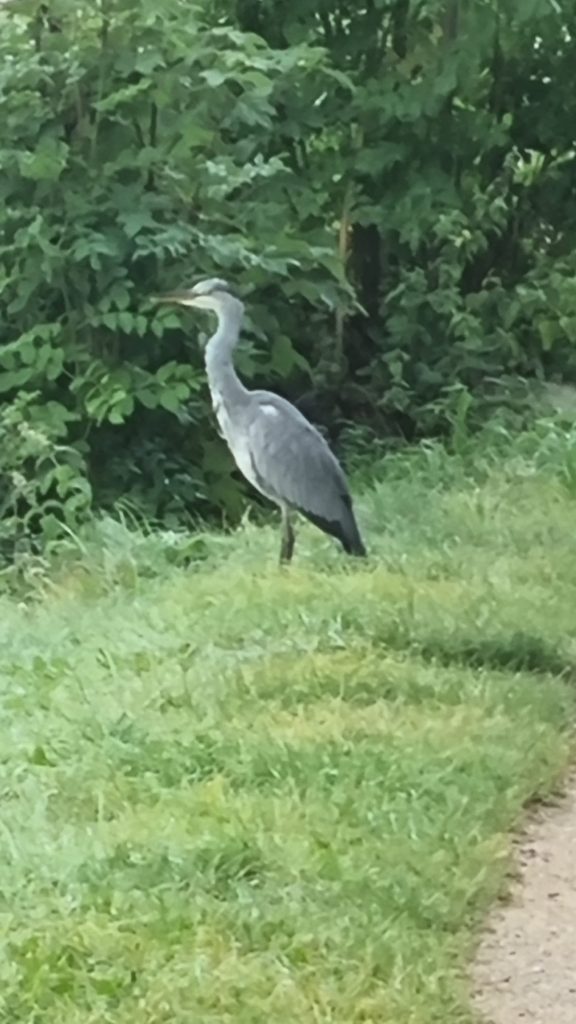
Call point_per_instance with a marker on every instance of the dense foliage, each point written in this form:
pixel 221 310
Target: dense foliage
pixel 417 153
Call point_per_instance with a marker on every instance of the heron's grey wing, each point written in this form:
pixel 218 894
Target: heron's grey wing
pixel 295 466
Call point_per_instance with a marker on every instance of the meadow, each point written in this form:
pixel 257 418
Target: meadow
pixel 235 793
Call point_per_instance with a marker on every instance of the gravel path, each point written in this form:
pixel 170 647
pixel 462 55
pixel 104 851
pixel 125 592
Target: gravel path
pixel 526 967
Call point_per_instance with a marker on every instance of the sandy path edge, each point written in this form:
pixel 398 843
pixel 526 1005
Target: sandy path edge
pixel 525 969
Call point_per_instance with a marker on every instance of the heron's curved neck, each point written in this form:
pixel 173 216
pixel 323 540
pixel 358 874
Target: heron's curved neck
pixel 222 377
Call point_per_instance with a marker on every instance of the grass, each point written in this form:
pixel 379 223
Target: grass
pixel 232 793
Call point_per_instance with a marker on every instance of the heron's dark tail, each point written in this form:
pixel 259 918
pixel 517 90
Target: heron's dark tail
pixel 356 547
pixel 345 528
pixel 349 535
pixel 351 540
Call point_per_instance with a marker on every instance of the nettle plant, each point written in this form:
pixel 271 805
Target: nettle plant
pixel 44 491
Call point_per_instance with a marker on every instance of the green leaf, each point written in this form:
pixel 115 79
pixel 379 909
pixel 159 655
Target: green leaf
pixel 47 161
pixel 140 325
pixel 169 400
pixel 165 372
pixel 126 321
pixel 282 356
pixel 122 96
pixel 213 77
pixel 148 399
pixel 568 326
pixel 550 332
pixel 134 222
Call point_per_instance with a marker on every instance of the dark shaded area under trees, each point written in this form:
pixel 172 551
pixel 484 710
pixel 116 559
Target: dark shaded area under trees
pixel 417 154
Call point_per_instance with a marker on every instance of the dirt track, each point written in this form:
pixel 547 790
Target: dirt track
pixel 526 968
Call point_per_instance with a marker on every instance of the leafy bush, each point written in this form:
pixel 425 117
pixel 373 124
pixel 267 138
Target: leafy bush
pixel 136 153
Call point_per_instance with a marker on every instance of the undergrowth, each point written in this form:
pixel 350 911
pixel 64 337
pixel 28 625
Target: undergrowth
pixel 236 793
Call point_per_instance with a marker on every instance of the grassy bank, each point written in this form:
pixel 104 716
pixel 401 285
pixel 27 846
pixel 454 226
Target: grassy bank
pixel 234 793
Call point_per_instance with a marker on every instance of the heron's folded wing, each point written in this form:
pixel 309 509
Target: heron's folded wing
pixel 293 462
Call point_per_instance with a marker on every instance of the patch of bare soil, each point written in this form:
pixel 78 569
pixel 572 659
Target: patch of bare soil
pixel 525 972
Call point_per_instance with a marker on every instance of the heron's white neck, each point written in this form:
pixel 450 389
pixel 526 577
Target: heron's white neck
pixel 223 380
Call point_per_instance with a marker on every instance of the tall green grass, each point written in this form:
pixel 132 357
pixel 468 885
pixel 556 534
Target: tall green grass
pixel 233 793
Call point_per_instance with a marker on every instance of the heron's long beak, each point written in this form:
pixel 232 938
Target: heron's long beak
pixel 184 298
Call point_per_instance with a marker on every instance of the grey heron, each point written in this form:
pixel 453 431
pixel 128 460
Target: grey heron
pixel 275 447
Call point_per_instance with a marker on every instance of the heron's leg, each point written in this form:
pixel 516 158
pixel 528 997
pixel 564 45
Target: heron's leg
pixel 288 536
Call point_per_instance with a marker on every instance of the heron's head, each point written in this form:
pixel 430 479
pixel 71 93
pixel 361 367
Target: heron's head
pixel 211 294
